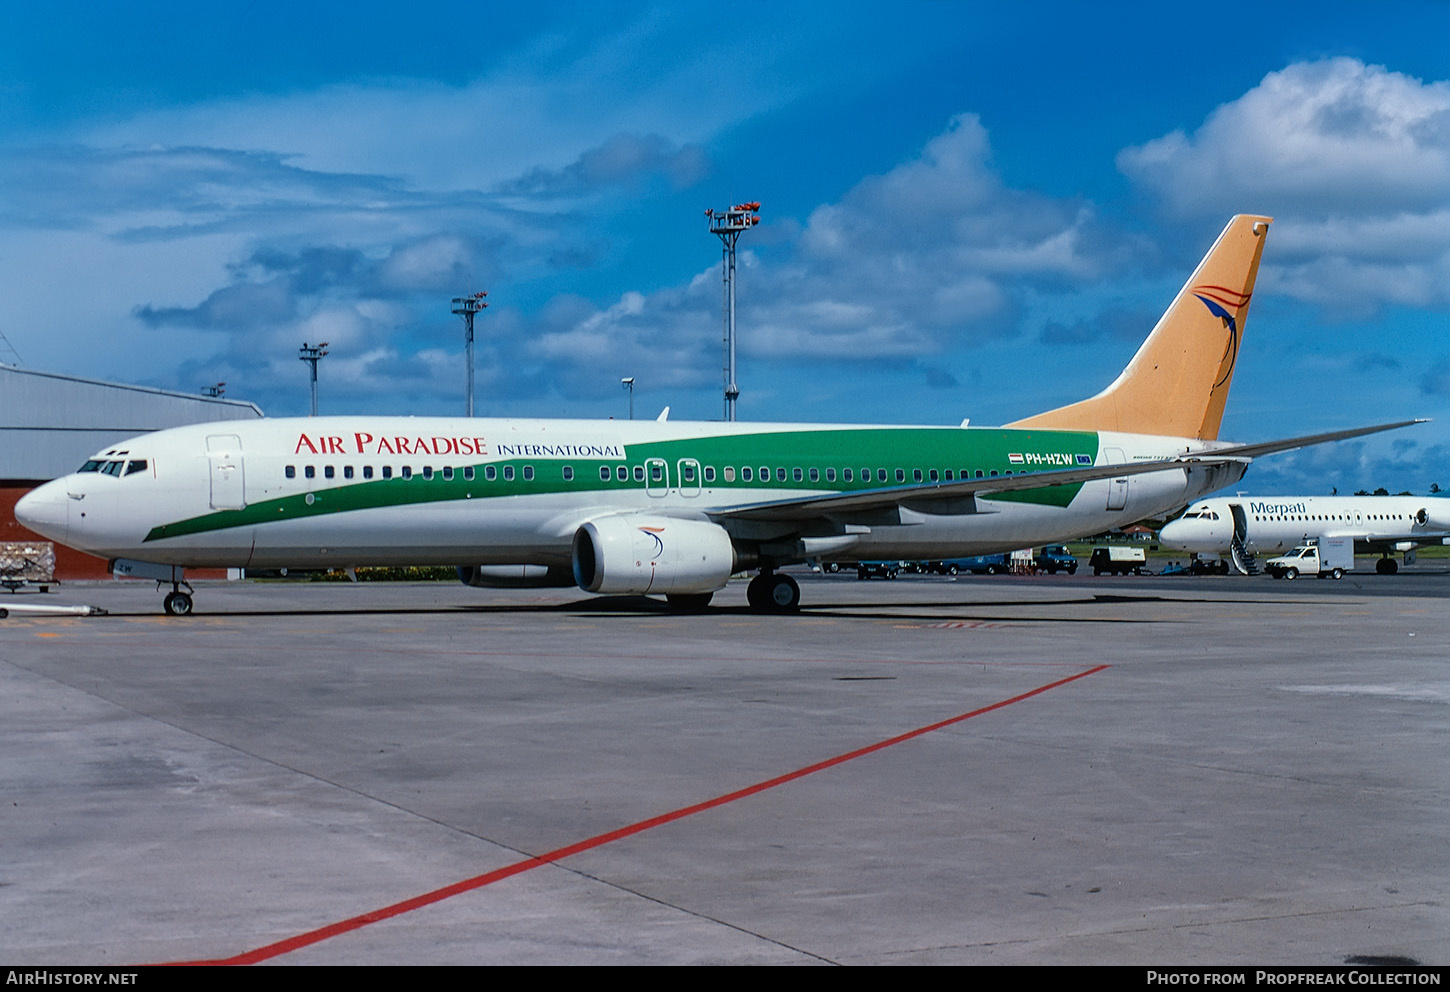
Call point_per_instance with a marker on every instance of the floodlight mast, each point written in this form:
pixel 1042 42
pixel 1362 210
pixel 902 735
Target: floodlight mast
pixel 467 306
pixel 312 354
pixel 729 224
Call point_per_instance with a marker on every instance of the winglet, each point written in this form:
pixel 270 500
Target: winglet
pixel 1178 381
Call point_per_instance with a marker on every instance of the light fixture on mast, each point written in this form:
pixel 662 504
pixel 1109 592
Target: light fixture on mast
pixel 729 224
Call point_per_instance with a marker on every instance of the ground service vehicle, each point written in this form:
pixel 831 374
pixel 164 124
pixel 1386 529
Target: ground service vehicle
pixel 877 569
pixel 1331 560
pixel 1118 560
pixel 1056 558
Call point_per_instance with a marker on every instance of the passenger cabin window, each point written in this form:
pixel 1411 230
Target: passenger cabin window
pixel 407 471
pixel 310 471
pixel 780 474
pixel 528 473
pixel 747 474
pixel 621 473
pixel 329 471
pixel 367 471
pixel 490 472
pixel 448 473
pixel 291 471
pixel 468 473
pixel 568 473
pixel 604 473
pixel 639 473
pixel 508 473
pixel 347 471
pixel 427 472
pixel 709 473
pixel 387 471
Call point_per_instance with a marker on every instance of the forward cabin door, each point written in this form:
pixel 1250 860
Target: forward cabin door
pixel 224 458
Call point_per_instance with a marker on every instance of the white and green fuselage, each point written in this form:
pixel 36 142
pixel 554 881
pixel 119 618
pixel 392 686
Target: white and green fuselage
pixel 351 491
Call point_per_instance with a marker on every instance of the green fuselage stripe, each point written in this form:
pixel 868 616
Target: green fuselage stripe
pixel 964 453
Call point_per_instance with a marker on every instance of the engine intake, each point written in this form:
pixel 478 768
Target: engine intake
pixel 642 554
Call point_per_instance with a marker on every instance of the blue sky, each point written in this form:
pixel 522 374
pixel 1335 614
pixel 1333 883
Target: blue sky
pixel 969 211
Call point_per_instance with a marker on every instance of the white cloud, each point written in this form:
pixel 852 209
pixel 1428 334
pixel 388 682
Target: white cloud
pixel 1317 137
pixel 1353 159
pixel 925 258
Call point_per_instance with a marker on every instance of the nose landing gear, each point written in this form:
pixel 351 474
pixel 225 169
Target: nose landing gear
pixel 177 603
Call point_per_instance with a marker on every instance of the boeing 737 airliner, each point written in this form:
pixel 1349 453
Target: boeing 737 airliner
pixel 676 508
pixel 1243 526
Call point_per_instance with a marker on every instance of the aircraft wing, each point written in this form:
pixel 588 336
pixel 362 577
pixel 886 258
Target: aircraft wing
pixel 807 507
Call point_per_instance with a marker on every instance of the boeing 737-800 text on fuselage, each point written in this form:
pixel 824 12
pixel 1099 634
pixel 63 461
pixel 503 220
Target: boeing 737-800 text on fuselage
pixel 677 508
pixel 1244 526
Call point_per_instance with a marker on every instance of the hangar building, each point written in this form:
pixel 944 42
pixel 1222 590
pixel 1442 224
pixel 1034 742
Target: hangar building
pixel 50 424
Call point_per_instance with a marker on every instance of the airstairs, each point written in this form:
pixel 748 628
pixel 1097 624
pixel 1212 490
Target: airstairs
pixel 1244 560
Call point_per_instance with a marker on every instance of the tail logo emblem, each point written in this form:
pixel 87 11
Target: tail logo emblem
pixel 1220 300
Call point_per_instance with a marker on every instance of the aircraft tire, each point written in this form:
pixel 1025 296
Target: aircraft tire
pixel 782 595
pixel 755 592
pixel 1387 566
pixel 177 604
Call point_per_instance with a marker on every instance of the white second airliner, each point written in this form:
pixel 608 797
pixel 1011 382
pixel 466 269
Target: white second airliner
pixel 1244 526
pixel 676 508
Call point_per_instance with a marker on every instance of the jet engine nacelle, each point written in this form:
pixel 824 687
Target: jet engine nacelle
pixel 635 553
pixel 514 576
pixel 1436 516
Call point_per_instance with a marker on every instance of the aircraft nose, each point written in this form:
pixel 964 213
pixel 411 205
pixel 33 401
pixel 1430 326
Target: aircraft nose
pixel 46 510
pixel 1173 534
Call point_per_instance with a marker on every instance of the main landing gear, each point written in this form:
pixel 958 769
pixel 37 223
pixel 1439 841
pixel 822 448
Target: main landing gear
pixel 771 592
pixel 177 603
pixel 1387 566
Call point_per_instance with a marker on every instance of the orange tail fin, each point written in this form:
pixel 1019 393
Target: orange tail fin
pixel 1178 381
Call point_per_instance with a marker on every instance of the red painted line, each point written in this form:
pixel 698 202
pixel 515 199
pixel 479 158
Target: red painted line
pixel 528 864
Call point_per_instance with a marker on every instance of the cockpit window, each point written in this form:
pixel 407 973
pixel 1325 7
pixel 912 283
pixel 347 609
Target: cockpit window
pixel 135 465
pixel 112 468
pixel 94 465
